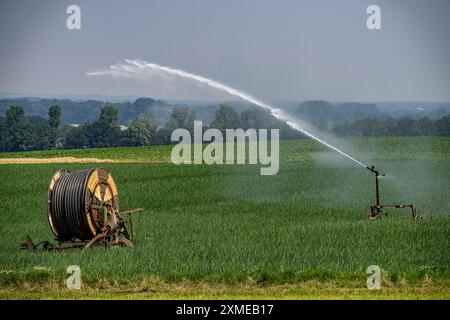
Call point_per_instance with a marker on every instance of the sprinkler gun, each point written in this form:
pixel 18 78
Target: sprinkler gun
pixel 377 209
pixel 377 185
pixel 372 168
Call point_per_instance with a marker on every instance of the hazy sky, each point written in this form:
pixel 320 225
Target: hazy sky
pixel 275 50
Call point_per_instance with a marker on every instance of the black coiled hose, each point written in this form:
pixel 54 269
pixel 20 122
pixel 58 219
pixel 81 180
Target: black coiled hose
pixel 67 203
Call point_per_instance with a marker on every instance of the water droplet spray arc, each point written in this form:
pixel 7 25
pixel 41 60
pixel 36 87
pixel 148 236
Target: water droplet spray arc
pixel 140 69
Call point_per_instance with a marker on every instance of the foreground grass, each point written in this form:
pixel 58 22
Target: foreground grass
pixel 309 290
pixel 228 224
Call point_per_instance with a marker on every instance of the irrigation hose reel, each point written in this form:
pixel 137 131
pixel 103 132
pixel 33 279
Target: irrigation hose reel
pixel 83 211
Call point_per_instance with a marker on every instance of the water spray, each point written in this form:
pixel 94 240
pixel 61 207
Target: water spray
pixel 139 69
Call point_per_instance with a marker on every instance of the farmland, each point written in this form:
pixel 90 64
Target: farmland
pixel 227 225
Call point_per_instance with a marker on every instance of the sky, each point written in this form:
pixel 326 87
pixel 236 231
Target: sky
pixel 274 50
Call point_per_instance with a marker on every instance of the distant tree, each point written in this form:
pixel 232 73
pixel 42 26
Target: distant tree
pixel 15 115
pixel 54 117
pixel 319 113
pixel 41 136
pixel 395 127
pixel 109 115
pixel 103 132
pixel 325 116
pixel 3 133
pixel 143 105
pixel 54 122
pixel 390 125
pixel 368 127
pixel 406 127
pixel 425 127
pixel 18 132
pixel 351 111
pixel 129 111
pixel 257 118
pixel 180 118
pixel 443 126
pixel 21 133
pixel 225 118
pixel 76 138
pixel 441 113
pixel 142 132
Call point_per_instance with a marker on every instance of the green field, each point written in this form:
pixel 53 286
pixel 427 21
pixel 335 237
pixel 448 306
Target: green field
pixel 227 225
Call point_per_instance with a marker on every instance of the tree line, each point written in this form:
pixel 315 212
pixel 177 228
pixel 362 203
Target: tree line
pixel 375 127
pixel 19 132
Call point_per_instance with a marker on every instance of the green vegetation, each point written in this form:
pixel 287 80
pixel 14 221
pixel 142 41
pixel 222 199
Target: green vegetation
pixel 74 111
pixel 19 132
pixel 314 290
pixel 369 148
pixel 365 119
pixel 229 225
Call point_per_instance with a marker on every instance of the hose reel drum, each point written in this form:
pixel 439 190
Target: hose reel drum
pixel 76 200
pixel 83 211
